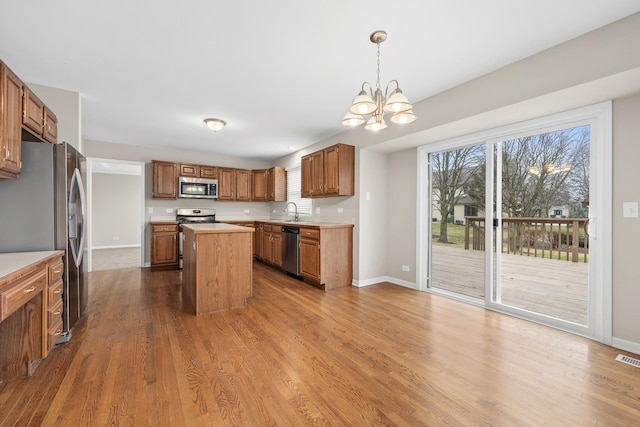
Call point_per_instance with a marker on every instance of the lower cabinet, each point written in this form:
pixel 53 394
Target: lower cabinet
pixel 272 245
pixel 326 256
pixel 30 313
pixel 164 244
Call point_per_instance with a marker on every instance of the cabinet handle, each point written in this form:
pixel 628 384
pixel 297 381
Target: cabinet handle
pixel 57 291
pixel 174 237
pixel 57 271
pixel 57 312
pixel 6 152
pixel 58 332
pixel 31 289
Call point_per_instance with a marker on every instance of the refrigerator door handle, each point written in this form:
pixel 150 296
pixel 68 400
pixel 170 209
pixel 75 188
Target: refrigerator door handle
pixel 77 249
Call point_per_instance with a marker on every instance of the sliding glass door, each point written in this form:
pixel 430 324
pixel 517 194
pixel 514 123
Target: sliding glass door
pixel 509 219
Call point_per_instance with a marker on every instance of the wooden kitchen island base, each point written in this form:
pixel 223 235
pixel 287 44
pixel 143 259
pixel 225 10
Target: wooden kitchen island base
pixel 217 267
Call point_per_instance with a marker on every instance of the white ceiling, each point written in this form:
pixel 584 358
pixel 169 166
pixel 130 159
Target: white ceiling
pixel 281 73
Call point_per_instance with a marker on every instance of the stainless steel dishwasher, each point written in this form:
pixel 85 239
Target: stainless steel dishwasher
pixel 290 248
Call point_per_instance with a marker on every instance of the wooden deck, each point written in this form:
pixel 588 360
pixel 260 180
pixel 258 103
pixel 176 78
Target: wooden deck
pixel 551 287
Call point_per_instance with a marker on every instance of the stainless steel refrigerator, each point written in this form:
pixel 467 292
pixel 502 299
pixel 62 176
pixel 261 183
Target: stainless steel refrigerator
pixel 44 209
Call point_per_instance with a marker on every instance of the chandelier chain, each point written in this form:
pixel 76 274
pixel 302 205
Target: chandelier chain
pixel 378 77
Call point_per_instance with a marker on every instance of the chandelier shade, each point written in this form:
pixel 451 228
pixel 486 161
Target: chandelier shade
pixel 367 102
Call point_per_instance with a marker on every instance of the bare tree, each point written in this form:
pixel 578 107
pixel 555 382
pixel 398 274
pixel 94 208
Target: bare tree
pixel 450 172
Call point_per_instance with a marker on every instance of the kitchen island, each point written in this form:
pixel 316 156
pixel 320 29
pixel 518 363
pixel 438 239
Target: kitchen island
pixel 217 268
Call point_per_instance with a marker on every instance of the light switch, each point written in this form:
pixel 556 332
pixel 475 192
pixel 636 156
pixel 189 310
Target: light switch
pixel 150 210
pixel 630 209
pixel 367 195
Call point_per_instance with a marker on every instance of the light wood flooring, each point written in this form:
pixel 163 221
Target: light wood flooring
pixel 296 356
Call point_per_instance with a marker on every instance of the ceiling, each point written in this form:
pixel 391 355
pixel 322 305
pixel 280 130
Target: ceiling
pixel 282 73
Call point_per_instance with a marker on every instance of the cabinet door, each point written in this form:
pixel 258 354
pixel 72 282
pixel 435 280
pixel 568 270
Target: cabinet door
pixel 190 170
pixel 10 122
pixel 305 172
pixel 165 180
pixel 226 184
pixel 317 174
pixel 310 260
pixel 277 184
pixel 276 248
pixel 50 131
pixel 165 249
pixel 259 178
pixel 331 171
pixel 32 115
pixel 209 172
pixel 243 184
pixel 267 247
pixel 258 243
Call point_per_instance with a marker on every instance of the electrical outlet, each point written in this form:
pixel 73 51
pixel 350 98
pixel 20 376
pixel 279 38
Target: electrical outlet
pixel 169 210
pixel 340 210
pixel 116 237
pixel 246 211
pixel 317 210
pixel 150 210
pixel 406 268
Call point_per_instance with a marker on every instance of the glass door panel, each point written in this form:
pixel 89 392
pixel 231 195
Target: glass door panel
pixel 541 210
pixel 457 180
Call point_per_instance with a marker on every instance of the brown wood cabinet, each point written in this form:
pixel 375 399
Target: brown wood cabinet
pixel 10 123
pixel 226 184
pixel 243 184
pixel 259 190
pixel 30 313
pixel 272 244
pixel 269 185
pixel 258 244
pixel 199 171
pixel 326 256
pixel 329 172
pixel 165 180
pixel 37 118
pixel 164 244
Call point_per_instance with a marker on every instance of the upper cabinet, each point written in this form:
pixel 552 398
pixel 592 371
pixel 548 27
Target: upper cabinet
pixel 10 122
pixel 21 109
pixel 226 184
pixel 199 171
pixel 37 118
pixel 269 185
pixel 165 180
pixel 329 172
pixel 243 184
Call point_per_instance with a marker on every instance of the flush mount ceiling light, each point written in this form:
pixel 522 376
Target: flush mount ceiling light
pixel 215 124
pixel 376 104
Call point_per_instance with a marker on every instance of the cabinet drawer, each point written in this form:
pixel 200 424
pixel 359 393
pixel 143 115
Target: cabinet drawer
pixel 53 334
pixel 15 297
pixel 164 228
pixel 267 228
pixel 310 233
pixel 55 272
pixel 54 314
pixel 55 292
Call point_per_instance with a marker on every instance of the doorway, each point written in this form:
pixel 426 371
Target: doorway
pixel 115 195
pixel 515 219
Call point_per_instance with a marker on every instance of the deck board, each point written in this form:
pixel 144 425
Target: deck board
pixel 551 287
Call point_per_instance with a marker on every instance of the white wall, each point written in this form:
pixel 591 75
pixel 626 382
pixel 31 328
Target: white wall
pixel 115 210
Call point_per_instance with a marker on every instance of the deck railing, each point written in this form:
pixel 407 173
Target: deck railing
pixel 559 238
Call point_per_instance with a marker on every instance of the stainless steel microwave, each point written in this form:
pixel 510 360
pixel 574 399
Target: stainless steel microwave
pixel 197 188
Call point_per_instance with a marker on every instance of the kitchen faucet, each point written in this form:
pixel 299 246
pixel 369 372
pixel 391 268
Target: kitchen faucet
pixel 296 217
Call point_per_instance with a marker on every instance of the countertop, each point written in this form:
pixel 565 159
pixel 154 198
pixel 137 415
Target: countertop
pixel 218 227
pixel 299 223
pixel 11 262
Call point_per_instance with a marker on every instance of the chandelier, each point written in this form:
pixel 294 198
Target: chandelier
pixel 376 104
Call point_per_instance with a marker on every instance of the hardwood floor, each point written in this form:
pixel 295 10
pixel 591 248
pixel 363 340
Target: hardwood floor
pixel 296 355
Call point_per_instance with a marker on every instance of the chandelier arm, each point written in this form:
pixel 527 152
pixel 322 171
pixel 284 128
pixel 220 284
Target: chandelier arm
pixel 370 88
pixel 386 91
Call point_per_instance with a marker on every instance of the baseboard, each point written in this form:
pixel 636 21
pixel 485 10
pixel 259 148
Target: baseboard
pixel 115 247
pixel 630 346
pixel 376 280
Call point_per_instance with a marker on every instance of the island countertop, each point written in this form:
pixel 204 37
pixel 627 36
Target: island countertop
pixel 219 227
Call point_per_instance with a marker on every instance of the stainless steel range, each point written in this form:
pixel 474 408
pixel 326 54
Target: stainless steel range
pixel 192 216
